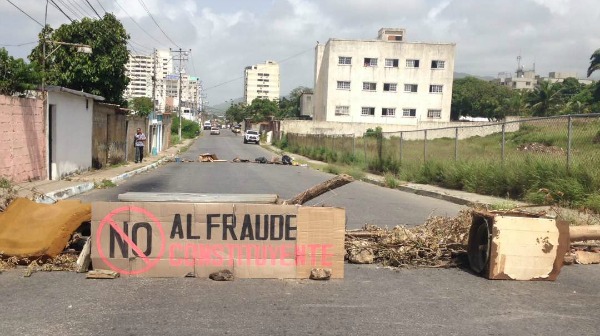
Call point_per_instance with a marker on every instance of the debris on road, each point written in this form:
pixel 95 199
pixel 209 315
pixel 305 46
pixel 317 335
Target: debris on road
pixel 33 230
pixel 102 274
pixel 320 274
pixel 439 242
pixel 237 159
pixel 587 258
pixel 223 275
pixel 209 157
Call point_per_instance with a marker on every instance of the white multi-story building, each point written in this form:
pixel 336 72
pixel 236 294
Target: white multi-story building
pixel 139 70
pixel 261 81
pixel 384 80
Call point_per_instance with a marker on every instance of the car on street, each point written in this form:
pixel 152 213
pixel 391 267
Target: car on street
pixel 215 131
pixel 207 125
pixel 251 136
pixel 236 129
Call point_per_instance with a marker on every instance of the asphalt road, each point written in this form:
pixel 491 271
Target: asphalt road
pixel 364 202
pixel 370 300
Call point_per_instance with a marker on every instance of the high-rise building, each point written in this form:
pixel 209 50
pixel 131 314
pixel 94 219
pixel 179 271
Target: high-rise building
pixel 383 80
pixel 157 69
pixel 261 81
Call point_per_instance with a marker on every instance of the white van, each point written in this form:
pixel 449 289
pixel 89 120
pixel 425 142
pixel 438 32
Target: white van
pixel 207 125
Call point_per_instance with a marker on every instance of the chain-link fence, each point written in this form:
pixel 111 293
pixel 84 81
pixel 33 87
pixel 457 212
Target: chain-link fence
pixel 565 140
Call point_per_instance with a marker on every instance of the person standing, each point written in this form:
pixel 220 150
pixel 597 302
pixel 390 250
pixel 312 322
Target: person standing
pixel 140 139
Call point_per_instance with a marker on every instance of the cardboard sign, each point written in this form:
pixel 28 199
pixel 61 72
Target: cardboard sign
pixel 155 239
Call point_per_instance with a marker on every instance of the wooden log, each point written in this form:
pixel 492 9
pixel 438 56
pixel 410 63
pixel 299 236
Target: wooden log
pixel 198 198
pixel 84 259
pixel 584 232
pixel 320 189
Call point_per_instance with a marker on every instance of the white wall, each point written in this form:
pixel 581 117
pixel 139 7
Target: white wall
pixel 72 138
pixel 438 129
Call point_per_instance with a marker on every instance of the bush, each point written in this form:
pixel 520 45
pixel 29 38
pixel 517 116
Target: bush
pixel 189 129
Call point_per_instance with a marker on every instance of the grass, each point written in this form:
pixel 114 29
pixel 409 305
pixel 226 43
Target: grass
pixel 477 164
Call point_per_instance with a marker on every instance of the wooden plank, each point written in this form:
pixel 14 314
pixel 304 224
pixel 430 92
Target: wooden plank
pixel 198 198
pixel 102 274
pixel 83 261
pixel 584 232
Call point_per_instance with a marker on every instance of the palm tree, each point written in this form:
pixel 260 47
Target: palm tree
pixel 543 99
pixel 594 62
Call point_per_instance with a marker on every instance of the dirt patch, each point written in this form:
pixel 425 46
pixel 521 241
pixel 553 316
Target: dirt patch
pixel 536 147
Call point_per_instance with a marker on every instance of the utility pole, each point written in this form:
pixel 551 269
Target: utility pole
pixel 182 57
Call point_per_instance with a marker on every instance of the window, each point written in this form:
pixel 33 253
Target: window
pixel 391 62
pixel 435 114
pixel 342 110
pixel 388 112
pixel 409 112
pixel 368 111
pixel 410 87
pixel 343 85
pixel 370 62
pixel 435 88
pixel 389 87
pixel 344 60
pixel 412 63
pixel 369 86
pixel 437 64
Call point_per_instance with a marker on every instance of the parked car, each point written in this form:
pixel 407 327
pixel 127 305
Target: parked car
pixel 251 136
pixel 215 131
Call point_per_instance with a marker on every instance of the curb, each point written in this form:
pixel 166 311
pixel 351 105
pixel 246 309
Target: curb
pixel 57 195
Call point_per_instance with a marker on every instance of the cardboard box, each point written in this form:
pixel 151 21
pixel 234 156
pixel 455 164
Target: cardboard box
pixel 251 240
pixel 517 246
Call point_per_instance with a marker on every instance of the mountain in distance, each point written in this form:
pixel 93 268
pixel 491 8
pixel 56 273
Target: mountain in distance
pixel 220 109
pixel 459 75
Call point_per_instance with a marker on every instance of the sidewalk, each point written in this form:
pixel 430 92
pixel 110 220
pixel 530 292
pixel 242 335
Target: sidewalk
pixel 50 191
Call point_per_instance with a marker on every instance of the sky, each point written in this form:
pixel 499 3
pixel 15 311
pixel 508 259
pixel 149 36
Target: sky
pixel 225 36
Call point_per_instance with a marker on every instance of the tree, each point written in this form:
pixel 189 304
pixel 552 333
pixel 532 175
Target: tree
pixel 290 107
pixel 16 76
pixel 594 62
pixel 474 97
pixel 236 112
pixel 143 105
pixel 261 109
pixel 102 72
pixel 544 99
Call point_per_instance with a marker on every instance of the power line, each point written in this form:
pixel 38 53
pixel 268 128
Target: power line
pixel 279 62
pixel 152 17
pixel 81 8
pixel 76 14
pixel 22 11
pixel 60 9
pixel 94 9
pixel 17 45
pixel 137 24
pixel 98 1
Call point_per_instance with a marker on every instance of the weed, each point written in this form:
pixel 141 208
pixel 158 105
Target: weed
pixel 104 184
pixel 391 181
pixel 332 169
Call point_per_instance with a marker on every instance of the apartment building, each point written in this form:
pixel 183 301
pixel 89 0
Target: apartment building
pixel 139 70
pixel 383 81
pixel 261 81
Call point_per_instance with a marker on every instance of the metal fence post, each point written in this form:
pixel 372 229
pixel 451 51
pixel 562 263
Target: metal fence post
pixel 569 139
pixel 353 146
pixel 425 147
pixel 456 144
pixel 365 147
pixel 503 140
pixel 401 140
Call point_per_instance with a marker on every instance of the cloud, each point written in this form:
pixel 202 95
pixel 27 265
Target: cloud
pixel 227 35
